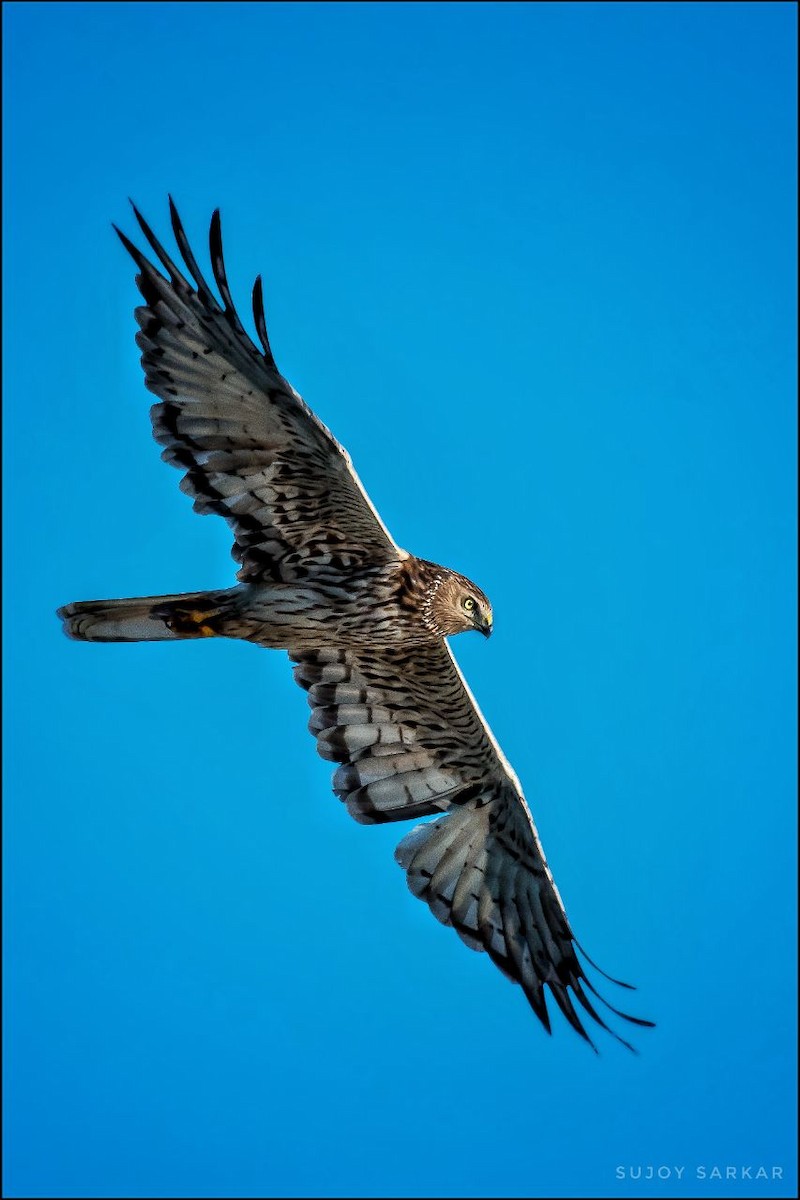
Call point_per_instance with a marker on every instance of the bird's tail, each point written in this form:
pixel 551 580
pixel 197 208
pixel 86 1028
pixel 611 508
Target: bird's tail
pixel 147 618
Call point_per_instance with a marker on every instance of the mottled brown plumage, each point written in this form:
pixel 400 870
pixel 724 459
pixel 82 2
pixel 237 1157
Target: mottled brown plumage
pixel 364 622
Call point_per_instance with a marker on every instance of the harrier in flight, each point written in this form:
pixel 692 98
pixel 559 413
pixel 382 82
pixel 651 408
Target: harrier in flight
pixel 364 622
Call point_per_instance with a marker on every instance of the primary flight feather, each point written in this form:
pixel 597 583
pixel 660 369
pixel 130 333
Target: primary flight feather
pixel 363 621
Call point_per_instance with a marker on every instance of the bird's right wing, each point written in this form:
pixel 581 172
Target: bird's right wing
pixel 411 742
pixel 251 449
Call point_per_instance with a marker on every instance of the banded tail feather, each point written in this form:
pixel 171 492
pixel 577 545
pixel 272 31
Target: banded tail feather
pixel 145 618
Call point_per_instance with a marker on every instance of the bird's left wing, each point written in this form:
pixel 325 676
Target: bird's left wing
pixel 251 449
pixel 412 742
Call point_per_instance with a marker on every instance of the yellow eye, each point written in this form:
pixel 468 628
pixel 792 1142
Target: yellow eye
pixel 469 604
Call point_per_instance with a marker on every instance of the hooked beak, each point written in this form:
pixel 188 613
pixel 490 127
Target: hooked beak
pixel 485 625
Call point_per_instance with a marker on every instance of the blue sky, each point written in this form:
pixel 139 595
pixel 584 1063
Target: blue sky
pixel 534 265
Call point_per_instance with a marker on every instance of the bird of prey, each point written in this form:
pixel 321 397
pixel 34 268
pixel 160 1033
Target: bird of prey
pixel 365 624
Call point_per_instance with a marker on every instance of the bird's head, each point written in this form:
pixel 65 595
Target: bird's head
pixel 454 604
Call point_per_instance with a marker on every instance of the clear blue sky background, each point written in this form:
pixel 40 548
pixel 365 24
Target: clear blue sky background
pixel 534 264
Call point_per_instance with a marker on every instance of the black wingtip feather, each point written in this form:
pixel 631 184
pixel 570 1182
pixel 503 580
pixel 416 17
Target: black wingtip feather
pixel 617 1011
pixel 561 996
pixel 134 251
pixel 162 255
pixel 584 1000
pixel 203 290
pixel 220 275
pixel 218 267
pixel 260 320
pixel 539 1006
pixel 619 982
pixel 215 250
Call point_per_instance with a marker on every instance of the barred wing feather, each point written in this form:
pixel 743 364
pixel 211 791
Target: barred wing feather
pixel 251 449
pixel 412 743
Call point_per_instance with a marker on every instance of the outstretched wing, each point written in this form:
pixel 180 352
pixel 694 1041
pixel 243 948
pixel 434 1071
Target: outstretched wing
pixel 411 742
pixel 251 449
